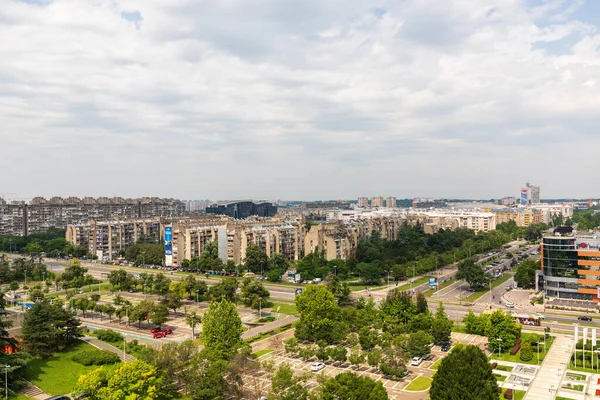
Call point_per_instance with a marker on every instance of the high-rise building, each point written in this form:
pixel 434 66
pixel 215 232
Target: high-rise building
pixel 390 202
pixel 363 202
pixel 530 194
pixel 243 209
pixel 377 202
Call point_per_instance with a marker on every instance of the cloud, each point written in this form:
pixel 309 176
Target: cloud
pixel 303 99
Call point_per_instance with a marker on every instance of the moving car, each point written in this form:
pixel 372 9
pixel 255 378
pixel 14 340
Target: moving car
pixel 508 304
pixel 317 366
pixel 416 361
pixel 584 318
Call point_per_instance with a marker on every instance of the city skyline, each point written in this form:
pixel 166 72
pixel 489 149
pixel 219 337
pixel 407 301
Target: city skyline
pixel 307 100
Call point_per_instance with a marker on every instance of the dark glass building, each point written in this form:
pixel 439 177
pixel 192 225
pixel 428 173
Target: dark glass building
pixel 243 209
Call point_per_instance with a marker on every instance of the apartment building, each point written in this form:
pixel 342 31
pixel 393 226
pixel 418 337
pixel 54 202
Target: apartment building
pixel 377 201
pixel 570 267
pixel 336 240
pixel 42 214
pixel 390 202
pixel 363 202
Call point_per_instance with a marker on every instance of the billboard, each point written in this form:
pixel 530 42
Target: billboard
pixel 168 246
pixel 523 196
pixel 432 282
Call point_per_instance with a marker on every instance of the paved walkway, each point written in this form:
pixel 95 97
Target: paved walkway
pixel 281 321
pixel 552 371
pixel 34 392
pixel 105 346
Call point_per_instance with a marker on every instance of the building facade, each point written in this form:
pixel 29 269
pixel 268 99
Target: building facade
pixel 363 202
pixel 570 267
pixel 377 202
pixel 390 202
pixel 21 219
pixel 243 209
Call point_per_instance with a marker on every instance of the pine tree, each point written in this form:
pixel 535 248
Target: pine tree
pixel 464 374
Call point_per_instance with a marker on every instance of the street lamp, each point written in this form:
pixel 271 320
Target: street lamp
pixel 388 279
pixel 124 341
pixel 197 291
pixel 499 340
pixel 6 367
pixel 260 307
pixel 193 321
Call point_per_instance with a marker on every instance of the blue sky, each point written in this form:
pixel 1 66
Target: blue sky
pixel 299 99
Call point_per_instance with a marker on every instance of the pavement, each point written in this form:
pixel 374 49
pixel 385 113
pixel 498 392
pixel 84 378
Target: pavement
pixel 106 346
pixel 552 371
pixel 281 321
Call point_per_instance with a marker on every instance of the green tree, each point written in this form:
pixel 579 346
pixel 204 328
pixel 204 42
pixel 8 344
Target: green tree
pixel 256 260
pixel 441 328
pixel 418 344
pixel 131 380
pixel 465 373
pixel 422 307
pixel 526 352
pixel 501 326
pixel 349 386
pixel 209 258
pixel 356 357
pixel 374 357
pixel 33 249
pixel 160 314
pixel 222 328
pixel 161 284
pixel 141 311
pixel 173 301
pixel 474 324
pixel 393 362
pixel 525 273
pixel 225 289
pixel 193 320
pixel 367 338
pixel 48 328
pixel 286 386
pixel 254 294
pixel 339 353
pixel 319 316
pixel 471 272
pixel 340 290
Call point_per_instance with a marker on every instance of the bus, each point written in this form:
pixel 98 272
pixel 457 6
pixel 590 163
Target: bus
pixel 525 319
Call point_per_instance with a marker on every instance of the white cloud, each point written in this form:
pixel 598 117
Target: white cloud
pixel 302 99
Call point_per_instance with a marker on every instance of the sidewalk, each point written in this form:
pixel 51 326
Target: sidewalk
pixel 281 321
pixel 549 378
pixel 105 346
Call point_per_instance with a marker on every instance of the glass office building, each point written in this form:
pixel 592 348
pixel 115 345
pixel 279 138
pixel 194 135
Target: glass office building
pixel 243 209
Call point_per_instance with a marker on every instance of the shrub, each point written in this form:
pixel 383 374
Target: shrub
pixel 516 347
pixel 269 318
pixel 526 352
pixel 494 365
pixel 96 357
pixel 106 335
pixel 508 394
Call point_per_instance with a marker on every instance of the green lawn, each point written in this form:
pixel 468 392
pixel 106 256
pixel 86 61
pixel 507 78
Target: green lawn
pixel 419 384
pixel 563 398
pixel 506 368
pixel 500 378
pixel 284 308
pixel 262 352
pixel 478 293
pixel 518 394
pixel 58 374
pixel 436 364
pixel 429 292
pixel 20 396
pixel 516 358
pixel 572 386
pixel 416 283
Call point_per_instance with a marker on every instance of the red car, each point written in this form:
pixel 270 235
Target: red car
pixel 155 330
pixel 158 335
pixel 168 331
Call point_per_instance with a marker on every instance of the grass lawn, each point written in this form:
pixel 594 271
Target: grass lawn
pixel 478 293
pixel 580 368
pixel 419 384
pixel 58 374
pixel 518 394
pixel 284 308
pixel 506 368
pixel 516 358
pixel 563 398
pixel 262 352
pixel 571 386
pixel 416 283
pixel 458 328
pixel 436 364
pixel 500 378
pixel 20 396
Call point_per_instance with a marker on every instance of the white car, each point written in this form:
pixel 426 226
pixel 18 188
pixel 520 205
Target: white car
pixel 317 366
pixel 416 361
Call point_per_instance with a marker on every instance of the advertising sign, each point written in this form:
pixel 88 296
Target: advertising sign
pixel 523 196
pixel 297 278
pixel 432 282
pixel 298 291
pixel 168 241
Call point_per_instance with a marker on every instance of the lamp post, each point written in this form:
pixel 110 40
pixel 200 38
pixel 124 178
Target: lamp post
pixel 124 341
pixel 260 307
pixel 197 291
pixel 388 280
pixel 6 367
pixel 499 347
pixel 193 321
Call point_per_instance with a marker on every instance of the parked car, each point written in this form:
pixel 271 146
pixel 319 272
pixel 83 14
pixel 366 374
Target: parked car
pixel 154 330
pixel 416 361
pixel 317 366
pixel 446 346
pixel 158 335
pixel 168 331
pixel 584 318
pixel 508 304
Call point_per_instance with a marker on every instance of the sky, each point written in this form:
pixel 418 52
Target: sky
pixel 299 99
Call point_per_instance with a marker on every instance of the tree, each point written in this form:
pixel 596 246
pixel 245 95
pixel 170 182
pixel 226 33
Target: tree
pixel 109 310
pixel 398 305
pixel 16 361
pixel 285 386
pixel 419 344
pixel 171 362
pixel 209 258
pixel 74 274
pixel 474 324
pixel 254 294
pixel 367 338
pixel 349 386
pixel 374 357
pixel 422 307
pixel 471 272
pixel 339 353
pixel 319 316
pixel 501 326
pixel 526 352
pixel 465 373
pixel 441 328
pixel 393 362
pixel 141 311
pixel 130 380
pixel 291 345
pixel 173 301
pixel 48 328
pixel 222 328
pixel 277 266
pixel 256 260
pixel 161 284
pixel 33 249
pixel 159 315
pixel 356 357
pixel 340 290
pixel 193 320
pixel 225 289
pixel 206 379
pixel 525 273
